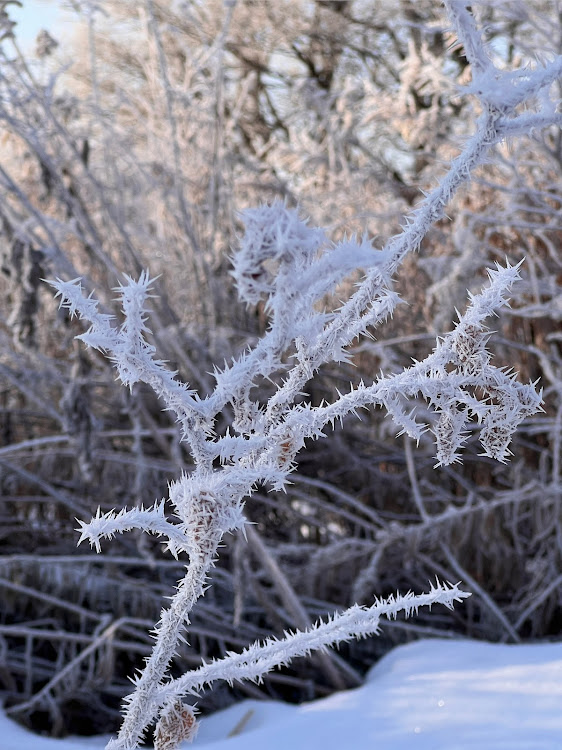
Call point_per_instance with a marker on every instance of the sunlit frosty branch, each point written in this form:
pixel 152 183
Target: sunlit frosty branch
pixel 295 270
pixel 356 622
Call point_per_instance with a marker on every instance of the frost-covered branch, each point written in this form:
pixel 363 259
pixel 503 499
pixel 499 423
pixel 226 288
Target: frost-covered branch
pixel 153 520
pixel 131 353
pixel 254 662
pixel 298 272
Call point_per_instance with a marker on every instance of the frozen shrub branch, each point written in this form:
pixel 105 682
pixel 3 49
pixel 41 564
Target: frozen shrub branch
pixel 355 622
pixel 297 271
pixel 131 354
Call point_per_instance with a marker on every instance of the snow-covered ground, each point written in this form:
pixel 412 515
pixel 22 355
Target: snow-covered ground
pixel 429 695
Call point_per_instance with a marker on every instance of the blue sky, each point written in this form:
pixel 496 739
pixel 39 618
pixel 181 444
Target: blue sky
pixel 34 16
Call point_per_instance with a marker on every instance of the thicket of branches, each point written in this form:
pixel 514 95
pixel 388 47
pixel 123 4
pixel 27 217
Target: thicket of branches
pixel 175 117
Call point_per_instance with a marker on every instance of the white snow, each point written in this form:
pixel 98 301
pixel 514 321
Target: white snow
pixel 428 695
